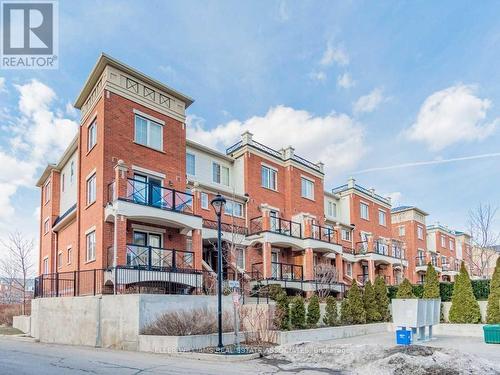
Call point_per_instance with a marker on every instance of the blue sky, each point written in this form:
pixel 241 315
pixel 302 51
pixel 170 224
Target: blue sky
pixel 360 85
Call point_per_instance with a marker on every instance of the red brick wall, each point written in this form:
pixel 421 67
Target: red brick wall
pixel 371 225
pixel 67 237
pixel 412 243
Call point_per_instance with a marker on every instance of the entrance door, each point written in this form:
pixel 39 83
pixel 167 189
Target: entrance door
pixel 157 253
pixel 155 192
pixel 275 269
pixel 137 255
pixel 140 254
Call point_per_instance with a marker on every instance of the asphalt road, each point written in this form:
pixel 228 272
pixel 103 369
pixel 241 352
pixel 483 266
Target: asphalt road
pixel 23 357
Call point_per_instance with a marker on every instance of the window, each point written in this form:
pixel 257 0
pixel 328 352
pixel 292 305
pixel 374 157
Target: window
pixel 233 208
pixel 204 201
pixel 269 178
pixel 190 164
pixel 346 235
pixel 72 172
pixel 420 232
pixel 148 133
pixel 59 260
pixel 91 189
pixel 46 226
pixel 220 174
pixel 63 179
pixel 364 211
pixel 46 265
pixel 70 255
pixel 47 191
pixel 348 269
pixel 401 231
pixel 452 245
pixel 443 241
pixel 92 136
pixel 332 209
pixel 307 188
pixel 240 257
pixel 381 217
pixel 90 255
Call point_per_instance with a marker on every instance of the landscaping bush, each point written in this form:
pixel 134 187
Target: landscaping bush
pixel 405 290
pixel 392 291
pixel 446 291
pixel 418 290
pixel 282 312
pixel 331 313
pixel 370 303
pixel 354 310
pixel 481 289
pixel 493 310
pixel 382 298
pixel 313 311
pixel 274 291
pixel 298 313
pixel 464 307
pixel 431 283
pixel 188 322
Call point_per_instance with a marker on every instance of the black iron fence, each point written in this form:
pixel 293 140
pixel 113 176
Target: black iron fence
pixel 159 259
pixel 323 233
pixel 226 227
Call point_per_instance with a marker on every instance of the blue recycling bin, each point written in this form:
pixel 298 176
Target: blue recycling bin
pixel 403 337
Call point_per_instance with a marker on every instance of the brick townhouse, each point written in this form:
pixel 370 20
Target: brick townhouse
pixel 129 201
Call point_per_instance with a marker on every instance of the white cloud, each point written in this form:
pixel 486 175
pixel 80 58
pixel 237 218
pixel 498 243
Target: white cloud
pixel 334 54
pixel 370 102
pixel 345 81
pixel 335 139
pixel 318 76
pixel 35 136
pixel 452 115
pixel 283 14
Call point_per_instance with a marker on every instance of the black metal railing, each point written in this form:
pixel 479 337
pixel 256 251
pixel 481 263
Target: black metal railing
pixel 155 258
pixel 279 271
pixel 70 284
pixel 286 227
pixel 435 261
pixel 361 247
pixel 153 195
pixel 381 248
pixel 362 279
pixel 323 233
pixel 226 227
pixel 255 225
pixel 420 261
pixel 398 251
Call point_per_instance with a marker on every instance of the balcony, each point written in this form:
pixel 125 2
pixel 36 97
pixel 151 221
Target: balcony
pixel 393 254
pixel 323 234
pixel 275 230
pixel 228 228
pixel 158 259
pixel 151 202
pixel 279 271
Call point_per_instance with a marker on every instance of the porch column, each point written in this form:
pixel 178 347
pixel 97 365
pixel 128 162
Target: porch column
pixel 266 260
pixel 339 265
pixel 307 233
pixel 390 269
pixel 120 240
pixel 308 264
pixel 371 271
pixel 196 199
pixel 370 244
pixel 120 189
pixel 197 248
pixel 266 225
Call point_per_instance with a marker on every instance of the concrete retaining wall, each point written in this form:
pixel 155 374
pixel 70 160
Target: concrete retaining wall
pixel 22 323
pixel 111 321
pixel 466 330
pixel 174 344
pixel 330 333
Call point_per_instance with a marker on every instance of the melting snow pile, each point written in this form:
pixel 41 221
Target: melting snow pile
pixel 379 360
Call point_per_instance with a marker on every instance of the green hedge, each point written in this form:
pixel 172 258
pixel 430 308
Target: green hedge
pixel 481 290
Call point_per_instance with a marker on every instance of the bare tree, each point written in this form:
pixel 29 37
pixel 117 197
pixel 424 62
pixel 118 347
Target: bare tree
pixel 483 237
pixel 17 266
pixel 325 275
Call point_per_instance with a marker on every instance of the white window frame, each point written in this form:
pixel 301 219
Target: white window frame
pixel 59 259
pixel 91 192
pixel 361 205
pixel 443 241
pixel 46 225
pixel 382 214
pixel 231 203
pixel 219 174
pixel 452 244
pixel 204 201
pixel 72 171
pixel 306 183
pixel 47 191
pixel 346 234
pixel 92 135
pixel 420 232
pixel 401 231
pixel 272 177
pixel 194 164
pixel 332 209
pixel 45 265
pixel 240 255
pixel 149 124
pixel 348 269
pixel 90 247
pixel 69 255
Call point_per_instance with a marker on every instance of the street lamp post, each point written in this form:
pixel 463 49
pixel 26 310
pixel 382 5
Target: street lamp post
pixel 218 204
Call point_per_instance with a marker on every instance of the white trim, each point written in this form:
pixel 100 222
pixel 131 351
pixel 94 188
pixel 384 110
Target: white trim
pixel 93 172
pixel 269 166
pixel 146 228
pixel 47 220
pixel 149 172
pixel 307 178
pixel 91 229
pixel 94 117
pixel 149 117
